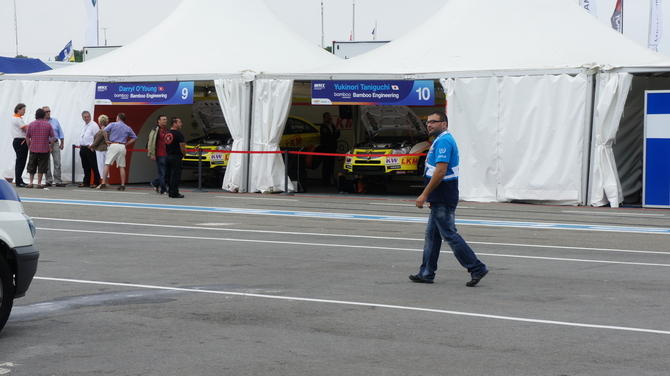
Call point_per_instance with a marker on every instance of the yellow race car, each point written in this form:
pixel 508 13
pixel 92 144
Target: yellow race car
pixel 299 134
pixel 393 132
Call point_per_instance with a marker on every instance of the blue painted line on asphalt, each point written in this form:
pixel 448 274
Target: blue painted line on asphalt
pixel 382 218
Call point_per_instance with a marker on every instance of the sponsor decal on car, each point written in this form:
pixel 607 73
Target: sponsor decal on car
pixel 392 161
pixel 405 161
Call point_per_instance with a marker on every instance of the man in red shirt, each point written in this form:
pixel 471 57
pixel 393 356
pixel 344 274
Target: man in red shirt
pixel 156 147
pixel 40 138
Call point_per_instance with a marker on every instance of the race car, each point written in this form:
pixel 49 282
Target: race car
pixel 299 134
pixel 393 132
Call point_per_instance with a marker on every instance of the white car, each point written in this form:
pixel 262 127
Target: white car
pixel 18 256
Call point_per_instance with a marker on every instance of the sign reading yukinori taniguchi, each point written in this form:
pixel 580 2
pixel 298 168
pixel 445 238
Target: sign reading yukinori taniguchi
pixel 408 93
pixel 152 93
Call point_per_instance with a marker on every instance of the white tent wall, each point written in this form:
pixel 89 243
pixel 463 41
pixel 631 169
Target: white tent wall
pixel 473 120
pixel 67 100
pixel 611 93
pixel 271 104
pixel 234 96
pixel 521 138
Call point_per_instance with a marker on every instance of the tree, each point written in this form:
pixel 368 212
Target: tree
pixel 22 57
pixel 329 49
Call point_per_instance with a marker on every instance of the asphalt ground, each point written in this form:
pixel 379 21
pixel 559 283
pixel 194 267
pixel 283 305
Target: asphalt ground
pixel 134 283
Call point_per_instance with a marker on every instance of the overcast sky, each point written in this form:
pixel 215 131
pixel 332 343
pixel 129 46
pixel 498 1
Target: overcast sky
pixel 44 37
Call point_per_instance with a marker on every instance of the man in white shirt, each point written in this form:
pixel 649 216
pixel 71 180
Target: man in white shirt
pixel 88 160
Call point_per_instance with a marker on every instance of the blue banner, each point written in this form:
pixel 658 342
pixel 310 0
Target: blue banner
pixel 408 93
pixel 152 93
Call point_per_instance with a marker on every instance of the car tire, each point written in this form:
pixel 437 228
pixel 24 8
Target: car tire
pixel 6 291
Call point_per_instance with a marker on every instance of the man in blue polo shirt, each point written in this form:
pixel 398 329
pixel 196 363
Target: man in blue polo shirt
pixel 58 145
pixel 441 193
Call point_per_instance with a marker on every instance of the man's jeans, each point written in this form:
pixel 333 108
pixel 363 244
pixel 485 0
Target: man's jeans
pixel 442 225
pixel 160 180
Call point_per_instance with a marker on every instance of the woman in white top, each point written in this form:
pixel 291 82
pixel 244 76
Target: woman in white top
pixel 99 145
pixel 18 129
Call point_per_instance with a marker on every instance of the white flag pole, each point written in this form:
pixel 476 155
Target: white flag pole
pixel 655 24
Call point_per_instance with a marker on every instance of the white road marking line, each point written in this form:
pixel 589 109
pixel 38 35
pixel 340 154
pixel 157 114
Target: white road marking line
pixel 383 204
pixel 348 236
pixel 412 205
pixel 363 304
pixel 353 217
pixel 340 246
pixel 257 198
pixel 113 190
pixel 614 213
pixel 211 224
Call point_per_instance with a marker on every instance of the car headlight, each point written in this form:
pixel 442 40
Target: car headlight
pixel 224 147
pixel 31 224
pixel 404 150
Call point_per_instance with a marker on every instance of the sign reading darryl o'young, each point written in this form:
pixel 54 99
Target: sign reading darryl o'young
pixel 144 93
pixel 408 93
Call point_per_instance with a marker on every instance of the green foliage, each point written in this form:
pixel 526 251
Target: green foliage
pixel 22 57
pixel 329 49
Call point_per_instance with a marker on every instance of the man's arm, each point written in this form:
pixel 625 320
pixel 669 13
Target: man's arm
pixel 440 171
pixel 182 146
pixel 131 141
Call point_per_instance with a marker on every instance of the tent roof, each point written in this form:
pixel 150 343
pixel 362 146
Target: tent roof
pixel 19 65
pixel 210 37
pixel 495 35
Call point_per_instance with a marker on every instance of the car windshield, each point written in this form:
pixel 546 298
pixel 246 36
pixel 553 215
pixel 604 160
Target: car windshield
pixel 399 134
pixel 212 139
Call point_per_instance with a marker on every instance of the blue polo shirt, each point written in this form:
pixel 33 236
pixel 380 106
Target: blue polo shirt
pixel 58 131
pixel 443 149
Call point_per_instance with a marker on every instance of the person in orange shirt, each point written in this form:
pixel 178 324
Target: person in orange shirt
pixel 18 129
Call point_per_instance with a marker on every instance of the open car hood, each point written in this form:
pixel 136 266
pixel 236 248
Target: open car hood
pixel 384 118
pixel 208 115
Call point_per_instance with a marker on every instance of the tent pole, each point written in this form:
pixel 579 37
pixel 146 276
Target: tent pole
pixel 589 122
pixel 247 136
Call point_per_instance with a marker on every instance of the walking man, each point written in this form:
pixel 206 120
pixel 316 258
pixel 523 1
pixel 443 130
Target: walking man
pixel 88 159
pixel 175 146
pixel 40 138
pixel 118 136
pixel 441 193
pixel 157 152
pixel 55 150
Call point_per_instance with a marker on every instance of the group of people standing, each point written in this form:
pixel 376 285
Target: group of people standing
pixel 37 143
pixel 100 146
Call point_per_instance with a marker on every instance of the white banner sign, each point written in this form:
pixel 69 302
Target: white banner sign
pixel 92 26
pixel 655 24
pixel 590 6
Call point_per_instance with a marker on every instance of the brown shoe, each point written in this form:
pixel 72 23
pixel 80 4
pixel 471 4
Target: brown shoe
pixel 29 186
pixel 39 186
pixel 121 188
pixel 102 186
pixel 61 185
pixel 83 185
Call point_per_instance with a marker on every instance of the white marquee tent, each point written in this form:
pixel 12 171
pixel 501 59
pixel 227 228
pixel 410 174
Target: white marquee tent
pixel 529 84
pixel 225 41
